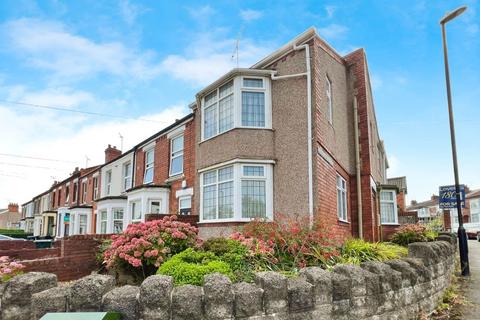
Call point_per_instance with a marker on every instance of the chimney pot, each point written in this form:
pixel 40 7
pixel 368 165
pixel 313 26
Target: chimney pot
pixel 13 207
pixel 112 153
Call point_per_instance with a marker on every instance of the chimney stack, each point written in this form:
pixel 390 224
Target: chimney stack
pixel 112 153
pixel 434 197
pixel 413 202
pixel 13 207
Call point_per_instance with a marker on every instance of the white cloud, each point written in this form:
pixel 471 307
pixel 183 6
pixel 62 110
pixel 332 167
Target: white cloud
pixel 130 12
pixel 49 46
pixel 330 11
pixel 333 31
pixel 201 13
pixel 250 15
pixel 210 56
pixel 62 136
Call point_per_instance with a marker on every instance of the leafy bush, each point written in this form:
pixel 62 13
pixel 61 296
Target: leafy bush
pixel 356 251
pixel 15 233
pixel 9 268
pixel 287 244
pixel 410 233
pixel 190 267
pixel 143 247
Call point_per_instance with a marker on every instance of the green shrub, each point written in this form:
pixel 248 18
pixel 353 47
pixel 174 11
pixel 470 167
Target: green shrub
pixel 190 267
pixel 15 233
pixel 356 251
pixel 410 233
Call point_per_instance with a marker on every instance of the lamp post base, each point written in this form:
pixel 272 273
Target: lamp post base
pixel 463 247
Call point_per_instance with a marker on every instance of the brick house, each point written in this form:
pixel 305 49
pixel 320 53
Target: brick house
pixel 10 217
pixel 281 138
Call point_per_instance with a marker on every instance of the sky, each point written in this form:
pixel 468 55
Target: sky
pixel 141 63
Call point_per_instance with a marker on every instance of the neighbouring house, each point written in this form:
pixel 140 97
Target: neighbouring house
pixel 27 221
pixel 470 214
pixel 426 210
pixel 10 217
pixel 296 135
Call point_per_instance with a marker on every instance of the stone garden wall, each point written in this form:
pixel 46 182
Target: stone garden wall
pixel 397 289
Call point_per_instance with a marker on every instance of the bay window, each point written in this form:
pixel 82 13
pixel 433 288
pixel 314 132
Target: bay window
pixel 388 207
pixel 237 192
pixel 82 224
pixel 103 221
pixel 136 211
pixel 176 155
pixel 342 199
pixel 148 176
pixel 241 102
pixel 155 206
pixel 117 220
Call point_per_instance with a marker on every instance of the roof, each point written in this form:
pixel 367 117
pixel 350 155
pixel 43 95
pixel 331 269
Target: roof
pixel 400 182
pixel 473 194
pixel 424 204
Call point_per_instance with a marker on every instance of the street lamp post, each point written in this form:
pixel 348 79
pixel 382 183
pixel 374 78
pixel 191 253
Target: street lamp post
pixel 462 235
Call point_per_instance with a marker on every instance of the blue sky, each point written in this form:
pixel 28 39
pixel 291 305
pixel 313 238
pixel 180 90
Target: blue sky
pixel 147 60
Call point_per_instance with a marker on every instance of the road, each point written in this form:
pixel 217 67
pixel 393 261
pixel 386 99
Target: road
pixel 472 285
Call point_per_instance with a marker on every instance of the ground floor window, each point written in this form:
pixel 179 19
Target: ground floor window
pixel 136 211
pixel 388 207
pixel 342 198
pixel 185 205
pixel 103 221
pixel 82 224
pixel 155 206
pixel 240 191
pixel 117 220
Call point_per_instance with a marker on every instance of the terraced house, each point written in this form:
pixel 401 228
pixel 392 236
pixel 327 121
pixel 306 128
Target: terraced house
pixel 296 134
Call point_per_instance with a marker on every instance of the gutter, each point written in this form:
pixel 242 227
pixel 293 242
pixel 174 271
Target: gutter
pixel 357 166
pixel 308 74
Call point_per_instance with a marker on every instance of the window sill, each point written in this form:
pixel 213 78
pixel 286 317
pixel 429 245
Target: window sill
pixel 343 221
pixel 175 177
pixel 241 220
pixel 390 224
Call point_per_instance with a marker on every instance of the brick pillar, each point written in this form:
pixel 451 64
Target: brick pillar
pixel 447 223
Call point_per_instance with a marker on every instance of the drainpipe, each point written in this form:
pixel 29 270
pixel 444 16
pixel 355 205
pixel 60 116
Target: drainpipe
pixel 308 74
pixel 357 166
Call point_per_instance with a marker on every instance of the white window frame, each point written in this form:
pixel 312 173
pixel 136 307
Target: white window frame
pixel 149 165
pixel 75 191
pixel 238 88
pixel 103 220
pixel 116 220
pixel 237 189
pixel 108 182
pixel 180 207
pixel 138 204
pixel 126 175
pixel 80 215
pixel 84 191
pixel 150 202
pixel 95 188
pixel 328 92
pixel 395 210
pixel 176 154
pixel 342 210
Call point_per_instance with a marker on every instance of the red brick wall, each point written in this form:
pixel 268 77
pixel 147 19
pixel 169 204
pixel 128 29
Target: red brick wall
pixel 193 219
pixel 16 245
pixel 401 201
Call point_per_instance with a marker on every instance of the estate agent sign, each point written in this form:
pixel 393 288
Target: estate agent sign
pixel 448 197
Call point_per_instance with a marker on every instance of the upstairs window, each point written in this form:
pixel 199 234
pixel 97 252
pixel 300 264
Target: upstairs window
pixel 127 176
pixel 388 207
pixel 84 191
pixel 75 190
pixel 95 188
pixel 59 197
pixel 148 176
pixel 241 102
pixel 342 212
pixel 176 155
pixel 108 182
pixel 67 194
pixel 328 88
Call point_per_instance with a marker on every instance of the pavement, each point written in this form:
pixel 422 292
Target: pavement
pixel 471 311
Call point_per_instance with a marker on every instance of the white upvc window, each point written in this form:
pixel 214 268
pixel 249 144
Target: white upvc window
pixel 82 223
pixel 75 190
pixel 243 102
pixel 149 159
pixel 388 207
pixel 103 221
pixel 176 155
pixel 117 220
pixel 84 191
pixel 108 182
pixel 185 205
pixel 95 188
pixel 136 211
pixel 342 211
pixel 237 192
pixel 127 176
pixel 155 206
pixel 67 194
pixel 328 89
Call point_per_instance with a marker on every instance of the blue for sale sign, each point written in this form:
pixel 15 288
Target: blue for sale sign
pixel 448 197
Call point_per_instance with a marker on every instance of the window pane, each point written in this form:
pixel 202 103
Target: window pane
pixel 209 202
pixel 155 207
pixel 225 114
pixel 136 213
pixel 177 144
pixel 253 109
pixel 177 165
pixel 210 122
pixel 118 214
pixel 386 195
pixel 254 171
pixel 225 174
pixel 253 83
pixel 226 89
pixel 185 203
pixel 225 200
pixel 148 175
pixel 149 157
pixel 103 227
pixel 339 204
pixel 253 199
pixel 211 98
pixel 344 205
pixel 387 212
pixel 210 177
pixel 117 226
pixel 103 215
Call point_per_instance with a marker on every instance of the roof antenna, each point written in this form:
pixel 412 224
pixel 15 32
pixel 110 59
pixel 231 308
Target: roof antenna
pixel 237 45
pixel 86 161
pixel 121 141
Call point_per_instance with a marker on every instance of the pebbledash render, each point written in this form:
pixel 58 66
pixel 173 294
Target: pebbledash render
pixel 294 135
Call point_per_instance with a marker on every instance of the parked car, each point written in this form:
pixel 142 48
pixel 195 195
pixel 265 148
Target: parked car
pixel 4 237
pixel 478 236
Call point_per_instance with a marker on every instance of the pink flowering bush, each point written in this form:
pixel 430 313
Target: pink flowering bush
pixel 143 247
pixel 9 268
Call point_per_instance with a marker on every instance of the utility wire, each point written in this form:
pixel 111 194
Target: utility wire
pixel 67 109
pixel 36 158
pixel 28 166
